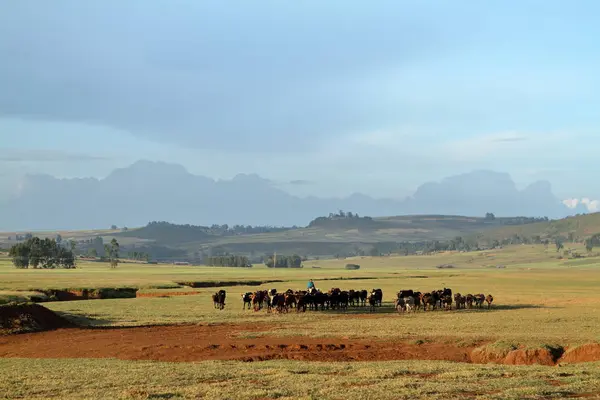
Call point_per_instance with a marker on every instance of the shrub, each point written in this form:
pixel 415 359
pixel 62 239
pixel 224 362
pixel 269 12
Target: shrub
pixel 352 266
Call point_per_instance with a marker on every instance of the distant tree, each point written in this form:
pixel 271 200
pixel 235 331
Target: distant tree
pixel 589 245
pixel 58 238
pixel 20 255
pixel 93 252
pixel 559 244
pixel 490 216
pixel 28 236
pixel 112 253
pixel 114 227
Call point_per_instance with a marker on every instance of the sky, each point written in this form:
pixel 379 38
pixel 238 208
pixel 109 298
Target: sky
pixel 322 98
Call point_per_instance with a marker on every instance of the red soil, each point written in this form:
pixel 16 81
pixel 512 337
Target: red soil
pixel 59 339
pixel 217 342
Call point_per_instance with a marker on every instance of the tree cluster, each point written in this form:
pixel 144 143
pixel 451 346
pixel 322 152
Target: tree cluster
pixel 282 261
pixel 41 253
pixel 354 218
pixel 220 230
pixel 591 242
pixel 138 256
pixel 229 261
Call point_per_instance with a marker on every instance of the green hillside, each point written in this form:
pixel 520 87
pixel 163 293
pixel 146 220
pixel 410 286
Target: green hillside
pixel 335 235
pixel 575 228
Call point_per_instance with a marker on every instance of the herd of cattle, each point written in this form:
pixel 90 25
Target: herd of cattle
pixel 337 299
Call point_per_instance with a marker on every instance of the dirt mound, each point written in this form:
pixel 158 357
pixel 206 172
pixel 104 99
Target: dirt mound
pixel 23 318
pixel 220 342
pixel 587 353
pixel 530 357
pixel 541 356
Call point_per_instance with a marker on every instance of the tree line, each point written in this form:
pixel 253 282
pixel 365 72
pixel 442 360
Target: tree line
pixel 224 229
pixel 229 261
pixel 41 253
pixel 283 261
pixel 340 216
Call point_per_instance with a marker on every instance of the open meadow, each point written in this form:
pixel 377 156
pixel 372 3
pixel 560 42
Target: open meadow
pixel 546 314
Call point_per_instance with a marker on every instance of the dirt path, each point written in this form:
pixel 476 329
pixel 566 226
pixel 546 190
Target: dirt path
pixel 217 342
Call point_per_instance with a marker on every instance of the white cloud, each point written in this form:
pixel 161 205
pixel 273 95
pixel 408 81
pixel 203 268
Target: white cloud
pixel 591 205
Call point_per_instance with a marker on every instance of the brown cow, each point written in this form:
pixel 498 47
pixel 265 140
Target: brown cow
pixel 460 301
pixel 428 300
pixel 469 299
pixel 489 299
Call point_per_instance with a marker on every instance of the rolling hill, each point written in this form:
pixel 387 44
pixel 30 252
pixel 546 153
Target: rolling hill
pixel 328 236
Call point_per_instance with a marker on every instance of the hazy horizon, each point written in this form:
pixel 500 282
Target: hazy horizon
pixel 323 99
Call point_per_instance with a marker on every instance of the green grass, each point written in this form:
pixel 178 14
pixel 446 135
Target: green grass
pixel 540 301
pixel 113 379
pixel 538 298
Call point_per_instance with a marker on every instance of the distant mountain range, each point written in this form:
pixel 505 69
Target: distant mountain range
pixel 155 191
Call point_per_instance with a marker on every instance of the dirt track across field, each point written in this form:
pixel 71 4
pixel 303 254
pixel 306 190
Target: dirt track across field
pixel 217 342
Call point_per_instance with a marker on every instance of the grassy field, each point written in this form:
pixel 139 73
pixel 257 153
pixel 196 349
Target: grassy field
pixel 540 300
pixel 114 379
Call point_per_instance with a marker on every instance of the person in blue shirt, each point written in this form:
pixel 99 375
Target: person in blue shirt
pixel 311 285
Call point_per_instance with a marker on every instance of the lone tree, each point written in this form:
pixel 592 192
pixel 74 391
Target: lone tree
pixel 592 242
pixel 112 252
pixel 559 245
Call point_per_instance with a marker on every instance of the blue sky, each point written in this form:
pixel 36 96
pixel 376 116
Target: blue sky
pixel 324 98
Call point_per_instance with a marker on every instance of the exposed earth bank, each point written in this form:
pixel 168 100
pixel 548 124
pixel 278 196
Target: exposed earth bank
pixel 44 334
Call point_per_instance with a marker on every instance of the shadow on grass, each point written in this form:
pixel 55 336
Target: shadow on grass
pixel 83 321
pixel 388 308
